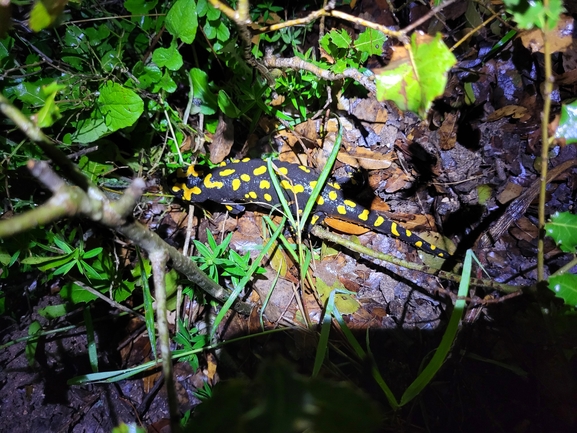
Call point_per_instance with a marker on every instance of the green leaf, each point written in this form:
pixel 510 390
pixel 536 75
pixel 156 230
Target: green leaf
pixel 371 42
pixel 565 287
pixel 94 169
pixel 90 129
pixel 32 344
pixel 120 106
pixel 92 253
pixel 45 13
pixel 75 294
pixel 533 13
pixel 227 106
pixel 413 82
pixel 563 229
pixel 139 7
pixel 169 57
pixel 53 311
pixel 205 101
pixel 567 128
pixel 166 83
pixel 181 20
pixel 345 303
pixel 50 112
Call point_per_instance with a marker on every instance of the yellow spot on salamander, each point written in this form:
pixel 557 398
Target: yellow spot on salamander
pixel 364 215
pixel 191 171
pixel 432 247
pixel 305 169
pixel 394 229
pixel 267 197
pixel 298 188
pixel 314 219
pixel 419 244
pixel 380 220
pixel 313 183
pixel 333 195
pixel 350 203
pixel 245 177
pixel 208 183
pixel 408 233
pixel 264 184
pixel 227 172
pixel 252 195
pixel 236 184
pixel 245 160
pixel 286 185
pixel 234 161
pixel 222 164
pixel 320 200
pixel 334 185
pixel 300 211
pixel 259 170
pixel 283 170
pixel 341 209
pixel 229 208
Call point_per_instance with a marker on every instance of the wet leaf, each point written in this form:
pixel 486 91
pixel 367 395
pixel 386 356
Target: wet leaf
pixel 563 230
pixel 568 123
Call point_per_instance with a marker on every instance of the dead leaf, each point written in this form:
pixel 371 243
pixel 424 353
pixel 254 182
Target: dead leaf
pixel 514 111
pixel 511 192
pixel 448 131
pixel 222 141
pixel 559 39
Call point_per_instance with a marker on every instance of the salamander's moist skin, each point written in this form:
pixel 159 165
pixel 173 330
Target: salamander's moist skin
pixel 248 181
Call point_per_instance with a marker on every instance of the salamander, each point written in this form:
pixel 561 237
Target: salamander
pixel 248 181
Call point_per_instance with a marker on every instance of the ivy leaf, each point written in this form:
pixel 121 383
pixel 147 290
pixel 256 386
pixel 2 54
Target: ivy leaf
pixel 120 106
pixel 563 229
pixel 413 82
pixel 371 42
pixel 568 123
pixel 565 287
pixel 181 20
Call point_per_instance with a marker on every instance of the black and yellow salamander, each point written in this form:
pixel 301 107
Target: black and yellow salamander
pixel 248 180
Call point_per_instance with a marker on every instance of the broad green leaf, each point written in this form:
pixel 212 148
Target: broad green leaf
pixel 140 7
pixel 147 75
pixel 120 106
pixel 75 294
pixel 94 169
pixel 205 101
pixel 563 229
pixel 169 57
pixel 568 123
pixel 181 20
pixel 53 311
pixel 97 35
pixel 92 253
pixel 90 129
pixel 110 61
pixel 345 303
pixel 222 32
pixel 371 42
pixel 565 287
pixel 166 83
pixel 340 38
pixel 45 13
pixel 413 83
